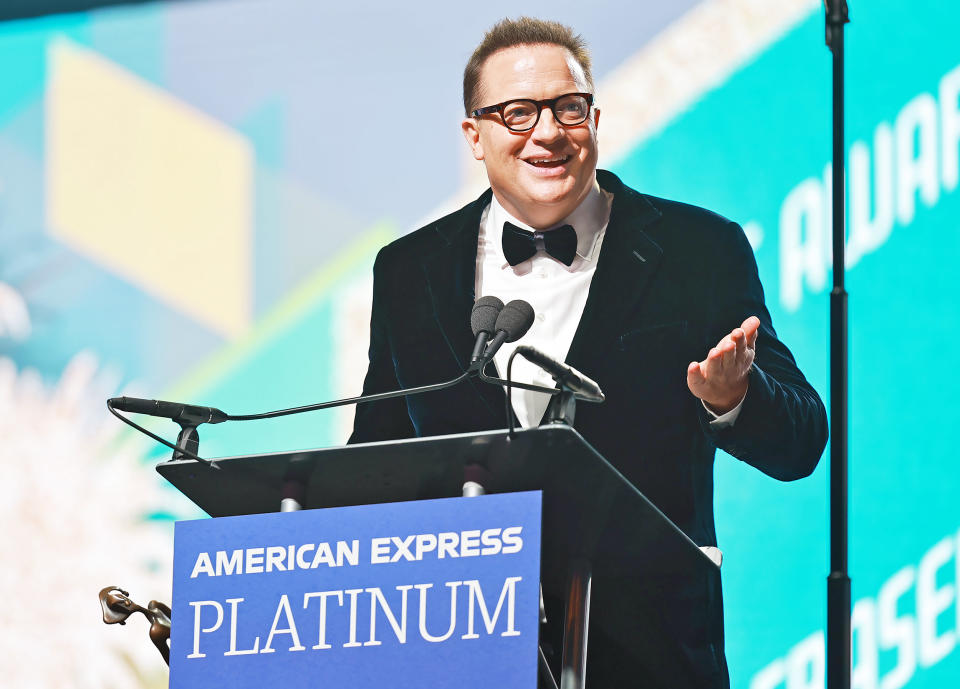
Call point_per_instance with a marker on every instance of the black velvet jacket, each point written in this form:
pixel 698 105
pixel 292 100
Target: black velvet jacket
pixel 671 281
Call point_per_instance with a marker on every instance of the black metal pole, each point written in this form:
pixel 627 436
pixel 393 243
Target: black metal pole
pixel 838 583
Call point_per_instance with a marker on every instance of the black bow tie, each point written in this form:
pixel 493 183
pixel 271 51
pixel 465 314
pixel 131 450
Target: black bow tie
pixel 519 244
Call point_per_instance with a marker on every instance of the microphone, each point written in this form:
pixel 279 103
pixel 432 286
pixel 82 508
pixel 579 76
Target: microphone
pixel 186 413
pixel 568 377
pixel 489 315
pixel 513 322
pixel 483 320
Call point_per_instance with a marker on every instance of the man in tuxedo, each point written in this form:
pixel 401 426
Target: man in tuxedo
pixel 657 301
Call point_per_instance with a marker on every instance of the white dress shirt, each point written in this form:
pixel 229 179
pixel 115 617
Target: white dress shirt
pixel 557 293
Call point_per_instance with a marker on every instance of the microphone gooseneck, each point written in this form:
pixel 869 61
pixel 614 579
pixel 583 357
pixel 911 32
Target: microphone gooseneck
pixel 488 316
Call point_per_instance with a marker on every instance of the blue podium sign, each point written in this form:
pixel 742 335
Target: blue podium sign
pixel 439 593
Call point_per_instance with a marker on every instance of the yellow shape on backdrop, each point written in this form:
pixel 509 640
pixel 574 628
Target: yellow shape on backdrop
pixel 149 187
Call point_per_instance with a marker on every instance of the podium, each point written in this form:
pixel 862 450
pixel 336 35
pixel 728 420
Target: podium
pixel 597 528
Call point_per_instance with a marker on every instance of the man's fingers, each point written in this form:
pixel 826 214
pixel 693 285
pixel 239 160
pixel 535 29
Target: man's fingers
pixel 695 379
pixel 740 340
pixel 751 327
pixel 728 354
pixel 726 363
pixel 714 363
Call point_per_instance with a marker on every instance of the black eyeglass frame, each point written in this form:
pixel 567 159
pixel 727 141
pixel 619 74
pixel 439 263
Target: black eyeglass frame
pixel 551 102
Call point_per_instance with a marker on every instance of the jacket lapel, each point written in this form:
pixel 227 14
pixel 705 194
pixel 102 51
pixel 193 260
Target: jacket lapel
pixel 629 258
pixel 450 272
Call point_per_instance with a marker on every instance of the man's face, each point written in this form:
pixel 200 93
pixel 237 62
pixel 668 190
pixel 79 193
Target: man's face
pixel 538 176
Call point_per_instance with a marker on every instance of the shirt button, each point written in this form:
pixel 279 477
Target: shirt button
pixel 541 317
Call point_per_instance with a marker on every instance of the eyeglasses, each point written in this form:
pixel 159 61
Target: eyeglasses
pixel 522 114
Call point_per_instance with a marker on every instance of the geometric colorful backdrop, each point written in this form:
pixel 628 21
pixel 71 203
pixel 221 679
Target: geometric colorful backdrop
pixel 191 195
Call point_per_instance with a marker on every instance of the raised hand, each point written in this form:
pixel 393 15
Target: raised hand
pixel 721 379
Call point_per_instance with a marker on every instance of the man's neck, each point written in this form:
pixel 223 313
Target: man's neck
pixel 590 204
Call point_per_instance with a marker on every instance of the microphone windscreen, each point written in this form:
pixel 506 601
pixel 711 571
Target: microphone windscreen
pixel 483 318
pixel 515 319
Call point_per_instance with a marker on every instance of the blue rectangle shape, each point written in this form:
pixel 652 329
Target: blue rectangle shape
pixel 439 593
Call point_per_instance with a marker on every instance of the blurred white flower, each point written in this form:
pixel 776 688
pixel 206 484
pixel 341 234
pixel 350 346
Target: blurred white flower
pixel 74 502
pixel 14 317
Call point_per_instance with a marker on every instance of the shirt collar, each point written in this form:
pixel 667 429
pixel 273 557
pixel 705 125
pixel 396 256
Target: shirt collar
pixel 589 220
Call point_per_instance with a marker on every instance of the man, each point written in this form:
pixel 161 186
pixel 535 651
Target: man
pixel 657 301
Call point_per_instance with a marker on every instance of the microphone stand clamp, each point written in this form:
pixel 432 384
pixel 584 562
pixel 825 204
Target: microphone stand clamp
pixel 561 409
pixel 188 439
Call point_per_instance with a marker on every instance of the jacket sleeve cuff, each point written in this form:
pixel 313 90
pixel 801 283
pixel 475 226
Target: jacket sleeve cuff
pixel 725 420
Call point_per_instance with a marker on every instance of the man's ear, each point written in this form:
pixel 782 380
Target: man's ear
pixel 471 132
pixel 596 117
